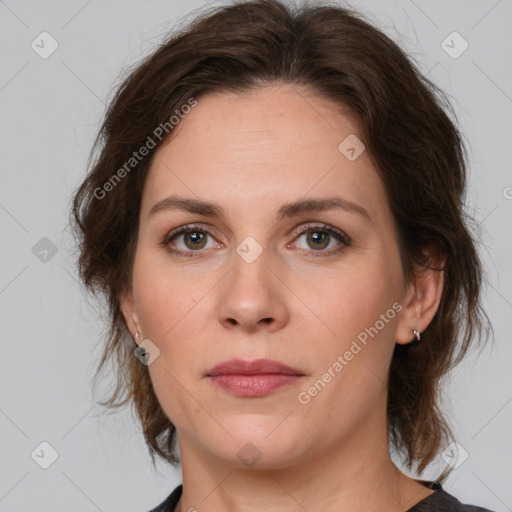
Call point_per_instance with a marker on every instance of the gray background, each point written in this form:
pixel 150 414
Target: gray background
pixel 51 109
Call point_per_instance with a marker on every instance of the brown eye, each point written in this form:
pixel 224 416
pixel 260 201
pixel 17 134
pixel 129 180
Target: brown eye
pixel 188 241
pixel 195 239
pixel 318 239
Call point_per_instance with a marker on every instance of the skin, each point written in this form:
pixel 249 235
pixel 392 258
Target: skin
pixel 251 153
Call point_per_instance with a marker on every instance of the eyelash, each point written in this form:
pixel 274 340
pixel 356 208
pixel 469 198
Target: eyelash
pixel 339 235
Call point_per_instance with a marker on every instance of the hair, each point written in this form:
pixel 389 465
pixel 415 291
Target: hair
pixel 403 121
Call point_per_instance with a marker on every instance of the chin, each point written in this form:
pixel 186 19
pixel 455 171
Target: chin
pixel 257 442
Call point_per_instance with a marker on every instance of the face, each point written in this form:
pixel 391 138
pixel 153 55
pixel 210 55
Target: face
pixel 318 289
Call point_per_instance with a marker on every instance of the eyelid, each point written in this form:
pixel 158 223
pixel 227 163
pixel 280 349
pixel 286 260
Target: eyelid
pixel 343 239
pixel 321 226
pixel 185 229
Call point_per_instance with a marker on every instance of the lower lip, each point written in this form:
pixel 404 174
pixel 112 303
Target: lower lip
pixel 254 385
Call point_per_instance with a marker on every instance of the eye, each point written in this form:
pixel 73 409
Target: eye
pixel 193 239
pixel 322 237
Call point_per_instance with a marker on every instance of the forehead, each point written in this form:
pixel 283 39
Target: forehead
pixel 278 143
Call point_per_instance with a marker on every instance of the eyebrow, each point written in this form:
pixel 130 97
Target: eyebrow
pixel 293 209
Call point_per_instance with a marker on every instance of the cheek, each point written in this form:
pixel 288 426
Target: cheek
pixel 354 298
pixel 351 365
pixel 165 298
pixel 361 308
pixel 172 316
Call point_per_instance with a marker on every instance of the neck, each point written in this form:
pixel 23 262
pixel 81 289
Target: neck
pixel 354 473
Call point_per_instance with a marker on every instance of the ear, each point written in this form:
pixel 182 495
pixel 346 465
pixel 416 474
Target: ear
pixel 422 298
pixel 130 315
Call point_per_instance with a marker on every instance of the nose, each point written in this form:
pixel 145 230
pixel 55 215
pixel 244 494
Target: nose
pixel 253 296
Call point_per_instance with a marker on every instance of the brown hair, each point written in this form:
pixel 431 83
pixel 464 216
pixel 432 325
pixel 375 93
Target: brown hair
pixel 415 146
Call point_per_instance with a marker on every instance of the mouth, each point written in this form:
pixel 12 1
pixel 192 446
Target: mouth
pixel 256 378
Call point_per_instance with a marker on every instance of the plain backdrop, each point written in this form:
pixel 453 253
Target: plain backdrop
pixel 51 109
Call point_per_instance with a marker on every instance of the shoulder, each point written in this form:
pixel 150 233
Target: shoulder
pixel 169 504
pixel 442 501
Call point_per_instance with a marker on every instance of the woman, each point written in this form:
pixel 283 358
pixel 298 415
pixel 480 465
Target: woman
pixel 275 218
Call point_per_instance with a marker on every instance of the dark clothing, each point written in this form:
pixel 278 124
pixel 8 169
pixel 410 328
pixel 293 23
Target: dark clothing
pixel 438 501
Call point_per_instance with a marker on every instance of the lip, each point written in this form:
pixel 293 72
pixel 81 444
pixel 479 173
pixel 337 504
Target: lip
pixel 255 367
pixel 256 378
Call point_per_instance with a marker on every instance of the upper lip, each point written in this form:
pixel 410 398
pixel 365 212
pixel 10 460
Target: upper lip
pixel 255 367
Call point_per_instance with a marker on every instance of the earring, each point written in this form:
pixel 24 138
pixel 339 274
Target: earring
pixel 417 338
